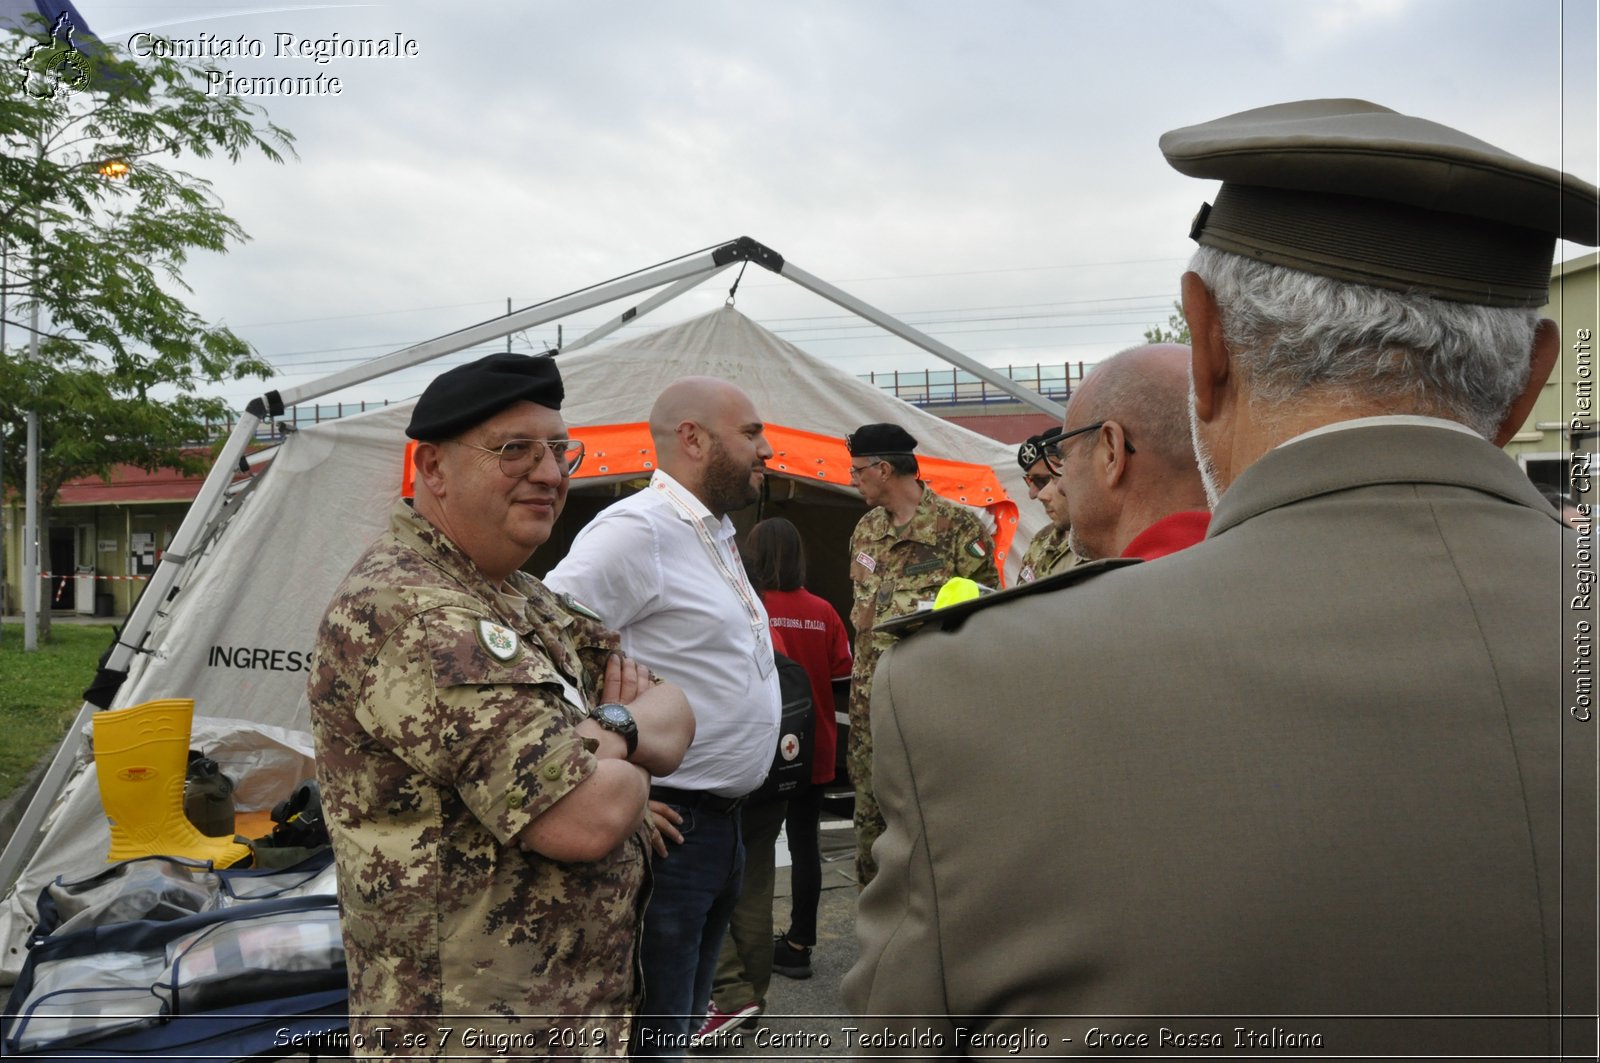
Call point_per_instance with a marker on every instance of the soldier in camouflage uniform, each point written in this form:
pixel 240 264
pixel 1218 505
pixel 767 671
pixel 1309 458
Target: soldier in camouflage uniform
pixel 901 552
pixel 1048 552
pixel 487 811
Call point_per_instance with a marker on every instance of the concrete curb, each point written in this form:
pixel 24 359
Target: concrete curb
pixel 14 804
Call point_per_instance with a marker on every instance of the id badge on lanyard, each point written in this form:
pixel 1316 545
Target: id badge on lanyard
pixel 765 662
pixel 732 570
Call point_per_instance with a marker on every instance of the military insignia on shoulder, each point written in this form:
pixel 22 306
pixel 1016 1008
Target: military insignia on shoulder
pixel 976 549
pixel 953 616
pixel 572 605
pixel 498 641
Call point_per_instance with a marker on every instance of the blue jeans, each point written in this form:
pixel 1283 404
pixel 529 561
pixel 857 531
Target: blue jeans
pixel 692 899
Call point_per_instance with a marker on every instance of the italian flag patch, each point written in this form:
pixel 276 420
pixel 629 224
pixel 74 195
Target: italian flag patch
pixel 975 549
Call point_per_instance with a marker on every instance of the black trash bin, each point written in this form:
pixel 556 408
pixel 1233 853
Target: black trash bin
pixel 103 604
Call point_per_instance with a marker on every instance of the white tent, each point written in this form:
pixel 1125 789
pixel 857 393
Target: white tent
pixel 788 386
pixel 236 629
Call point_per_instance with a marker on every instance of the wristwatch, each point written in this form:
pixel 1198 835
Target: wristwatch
pixel 615 717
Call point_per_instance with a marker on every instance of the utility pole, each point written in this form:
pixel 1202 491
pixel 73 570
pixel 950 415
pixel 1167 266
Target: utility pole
pixel 2 497
pixel 30 519
pixel 30 503
pixel 5 281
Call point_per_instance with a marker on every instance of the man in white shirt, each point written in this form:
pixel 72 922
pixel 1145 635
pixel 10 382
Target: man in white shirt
pixel 662 567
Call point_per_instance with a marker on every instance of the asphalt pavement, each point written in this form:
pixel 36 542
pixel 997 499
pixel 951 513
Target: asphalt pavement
pixel 805 1018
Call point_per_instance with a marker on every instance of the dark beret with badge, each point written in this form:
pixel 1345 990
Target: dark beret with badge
pixel 871 440
pixel 1031 452
pixel 468 395
pixel 1354 191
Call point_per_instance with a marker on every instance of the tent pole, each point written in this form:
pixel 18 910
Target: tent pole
pixel 655 302
pixel 699 267
pixel 1017 391
pixel 163 582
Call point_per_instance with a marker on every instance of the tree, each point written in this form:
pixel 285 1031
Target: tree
pixel 1177 330
pixel 96 223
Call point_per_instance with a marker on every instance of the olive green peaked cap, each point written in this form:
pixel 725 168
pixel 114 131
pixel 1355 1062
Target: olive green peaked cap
pixel 1350 190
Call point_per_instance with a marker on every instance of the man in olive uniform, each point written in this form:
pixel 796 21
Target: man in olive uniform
pixel 1322 783
pixel 901 552
pixel 1048 552
pixel 484 755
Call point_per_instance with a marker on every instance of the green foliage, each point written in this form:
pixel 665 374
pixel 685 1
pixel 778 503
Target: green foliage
pixel 102 257
pixel 1177 330
pixel 41 692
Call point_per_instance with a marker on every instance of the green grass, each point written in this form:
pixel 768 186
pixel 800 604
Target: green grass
pixel 41 692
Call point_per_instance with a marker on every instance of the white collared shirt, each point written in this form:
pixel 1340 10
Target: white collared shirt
pixel 1381 421
pixel 644 568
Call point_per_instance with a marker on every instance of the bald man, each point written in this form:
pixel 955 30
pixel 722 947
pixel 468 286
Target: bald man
pixel 1124 462
pixel 662 567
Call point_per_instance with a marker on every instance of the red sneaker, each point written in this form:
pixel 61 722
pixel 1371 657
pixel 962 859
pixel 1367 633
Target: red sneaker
pixel 720 1023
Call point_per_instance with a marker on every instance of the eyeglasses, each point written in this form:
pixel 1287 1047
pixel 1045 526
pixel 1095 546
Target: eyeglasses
pixel 857 470
pixel 1039 480
pixel 519 457
pixel 1054 456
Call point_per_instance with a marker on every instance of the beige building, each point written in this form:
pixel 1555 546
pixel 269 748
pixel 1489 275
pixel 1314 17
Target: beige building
pixel 105 540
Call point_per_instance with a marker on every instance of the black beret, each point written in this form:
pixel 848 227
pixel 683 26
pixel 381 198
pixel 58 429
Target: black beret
pixel 871 439
pixel 1354 191
pixel 468 395
pixel 1031 452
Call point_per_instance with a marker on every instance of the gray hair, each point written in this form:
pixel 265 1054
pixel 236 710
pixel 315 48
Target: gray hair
pixel 901 464
pixel 1292 332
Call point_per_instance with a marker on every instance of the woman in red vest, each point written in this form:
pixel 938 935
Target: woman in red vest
pixel 814 636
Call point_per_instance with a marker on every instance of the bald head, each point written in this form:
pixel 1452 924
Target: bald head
pixel 1139 466
pixel 709 438
pixel 701 399
pixel 1146 390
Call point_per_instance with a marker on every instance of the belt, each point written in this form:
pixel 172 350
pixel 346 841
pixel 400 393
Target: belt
pixel 699 799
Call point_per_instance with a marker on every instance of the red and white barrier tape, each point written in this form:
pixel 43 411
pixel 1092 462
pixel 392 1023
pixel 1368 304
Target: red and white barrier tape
pixel 74 575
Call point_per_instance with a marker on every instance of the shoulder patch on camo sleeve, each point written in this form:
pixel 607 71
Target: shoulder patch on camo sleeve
pixel 498 641
pixel 572 605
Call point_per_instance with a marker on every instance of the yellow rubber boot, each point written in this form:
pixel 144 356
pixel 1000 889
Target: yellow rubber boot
pixel 142 754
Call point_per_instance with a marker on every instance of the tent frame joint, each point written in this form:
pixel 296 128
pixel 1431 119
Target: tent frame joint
pixel 747 249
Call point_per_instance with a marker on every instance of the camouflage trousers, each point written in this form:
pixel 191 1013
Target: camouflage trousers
pixel 868 817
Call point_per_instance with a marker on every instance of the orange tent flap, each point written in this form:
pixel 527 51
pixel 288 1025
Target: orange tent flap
pixel 615 450
pixel 627 449
pixel 813 456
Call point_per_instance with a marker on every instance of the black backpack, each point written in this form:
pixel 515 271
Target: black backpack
pixel 791 763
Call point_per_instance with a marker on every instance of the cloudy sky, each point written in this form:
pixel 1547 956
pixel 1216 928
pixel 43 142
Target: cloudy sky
pixel 988 171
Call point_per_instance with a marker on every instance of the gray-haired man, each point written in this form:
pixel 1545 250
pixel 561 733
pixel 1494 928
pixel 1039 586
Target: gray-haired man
pixel 1315 776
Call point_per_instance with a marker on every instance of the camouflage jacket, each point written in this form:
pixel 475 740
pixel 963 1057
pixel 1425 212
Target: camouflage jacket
pixel 893 572
pixel 444 712
pixel 1047 554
